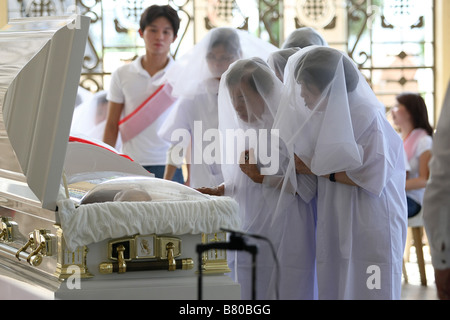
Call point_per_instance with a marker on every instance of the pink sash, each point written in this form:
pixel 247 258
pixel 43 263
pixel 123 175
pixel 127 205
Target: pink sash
pixel 411 141
pixel 144 115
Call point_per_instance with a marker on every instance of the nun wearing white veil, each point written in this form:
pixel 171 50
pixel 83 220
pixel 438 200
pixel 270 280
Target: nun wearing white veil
pixel 194 79
pixel 330 119
pixel 253 167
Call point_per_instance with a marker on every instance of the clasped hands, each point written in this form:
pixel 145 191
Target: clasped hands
pixel 247 163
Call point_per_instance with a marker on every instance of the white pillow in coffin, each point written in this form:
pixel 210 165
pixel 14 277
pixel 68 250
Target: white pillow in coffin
pixel 141 189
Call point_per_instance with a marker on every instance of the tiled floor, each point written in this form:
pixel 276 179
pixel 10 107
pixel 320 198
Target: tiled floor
pixel 413 290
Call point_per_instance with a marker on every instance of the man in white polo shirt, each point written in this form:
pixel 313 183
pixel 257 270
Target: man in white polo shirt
pixel 136 94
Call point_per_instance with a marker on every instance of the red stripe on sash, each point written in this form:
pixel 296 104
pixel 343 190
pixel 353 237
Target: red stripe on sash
pixel 142 105
pixel 148 112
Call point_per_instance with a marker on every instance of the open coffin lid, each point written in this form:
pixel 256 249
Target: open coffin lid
pixel 39 75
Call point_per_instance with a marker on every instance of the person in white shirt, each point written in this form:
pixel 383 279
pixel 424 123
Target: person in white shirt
pixel 411 117
pixel 436 203
pixel 134 85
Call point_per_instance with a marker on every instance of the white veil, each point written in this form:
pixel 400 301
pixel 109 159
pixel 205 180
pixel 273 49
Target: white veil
pixel 277 60
pixel 326 106
pixel 195 78
pixel 245 121
pixel 304 37
pixel 331 119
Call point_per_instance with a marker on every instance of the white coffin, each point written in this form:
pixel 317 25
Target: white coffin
pixel 53 242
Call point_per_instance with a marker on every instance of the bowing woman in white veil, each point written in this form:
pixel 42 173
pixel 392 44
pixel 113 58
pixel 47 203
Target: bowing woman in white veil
pixel 330 118
pixel 252 166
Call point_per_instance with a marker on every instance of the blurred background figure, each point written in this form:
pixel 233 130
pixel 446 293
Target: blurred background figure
pixel 195 79
pixel 411 117
pixel 83 95
pixel 89 118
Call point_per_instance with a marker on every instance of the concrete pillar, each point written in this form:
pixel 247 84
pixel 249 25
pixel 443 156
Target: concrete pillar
pixel 442 16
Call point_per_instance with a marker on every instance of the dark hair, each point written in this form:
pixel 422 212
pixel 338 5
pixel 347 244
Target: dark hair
pixel 318 67
pixel 153 12
pixel 417 108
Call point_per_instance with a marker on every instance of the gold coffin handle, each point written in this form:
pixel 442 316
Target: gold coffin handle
pixel 170 256
pixel 41 243
pixel 24 248
pixel 121 259
pixel 34 258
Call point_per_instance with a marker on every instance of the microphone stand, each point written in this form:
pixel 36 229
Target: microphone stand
pixel 236 243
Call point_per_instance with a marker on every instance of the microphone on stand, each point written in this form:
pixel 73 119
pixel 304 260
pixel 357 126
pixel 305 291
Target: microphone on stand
pixel 236 243
pixel 274 253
